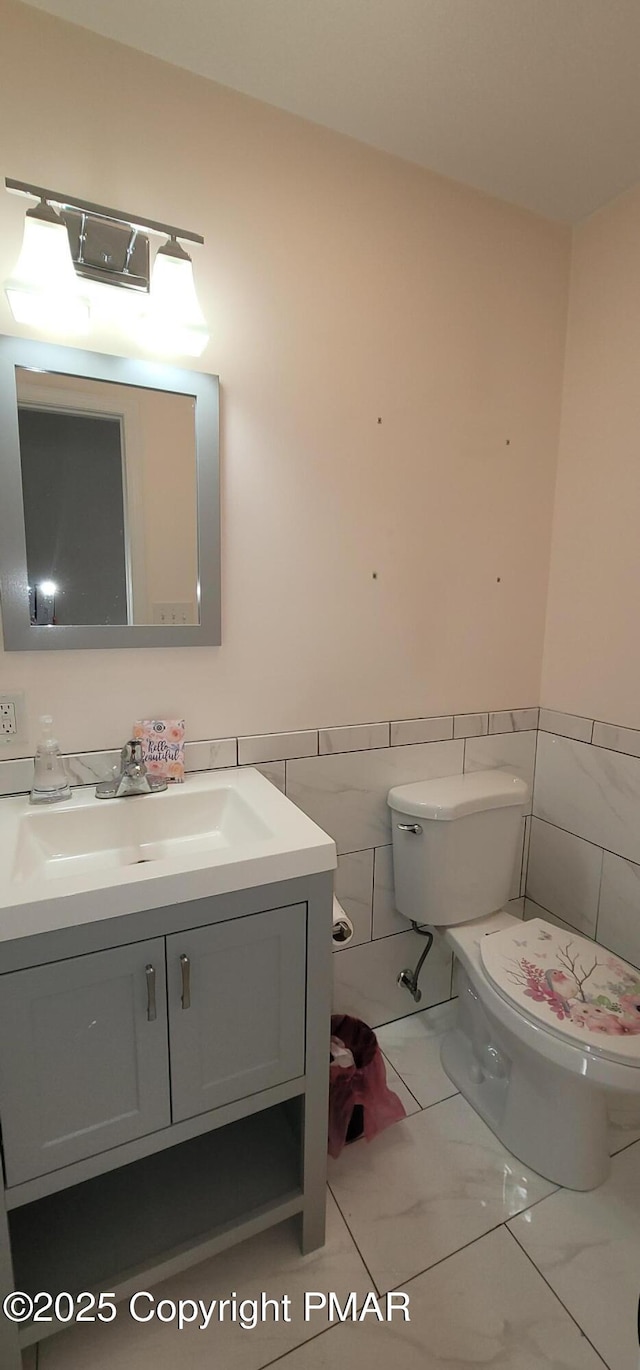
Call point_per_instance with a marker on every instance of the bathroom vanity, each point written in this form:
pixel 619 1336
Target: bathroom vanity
pixel 165 981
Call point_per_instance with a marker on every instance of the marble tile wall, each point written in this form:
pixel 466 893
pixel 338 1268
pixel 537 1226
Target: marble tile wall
pixel 578 861
pixel 270 751
pixel 340 777
pixel 584 856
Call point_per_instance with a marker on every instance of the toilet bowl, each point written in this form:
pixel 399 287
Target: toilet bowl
pixel 548 1022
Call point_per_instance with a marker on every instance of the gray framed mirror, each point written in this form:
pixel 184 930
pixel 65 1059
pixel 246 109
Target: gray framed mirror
pixel 109 501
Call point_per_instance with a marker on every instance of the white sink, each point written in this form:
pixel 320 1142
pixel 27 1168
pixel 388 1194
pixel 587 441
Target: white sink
pixel 177 823
pixel 86 859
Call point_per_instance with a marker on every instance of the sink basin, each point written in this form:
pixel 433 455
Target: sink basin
pixel 91 858
pixel 57 843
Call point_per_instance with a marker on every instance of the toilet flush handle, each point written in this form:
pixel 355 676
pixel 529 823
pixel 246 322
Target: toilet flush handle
pixel 410 827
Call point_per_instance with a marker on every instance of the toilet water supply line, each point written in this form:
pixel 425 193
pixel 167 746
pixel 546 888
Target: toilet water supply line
pixel 408 979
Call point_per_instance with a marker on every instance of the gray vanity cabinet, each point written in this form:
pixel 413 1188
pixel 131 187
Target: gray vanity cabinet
pixel 236 1008
pixel 83 1057
pixel 163 1090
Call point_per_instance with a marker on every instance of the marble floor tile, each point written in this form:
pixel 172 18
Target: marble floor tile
pixel 413 1047
pixel 270 1262
pixel 587 1246
pixel 484 1306
pixel 427 1187
pixel 398 1086
pixel 624 1123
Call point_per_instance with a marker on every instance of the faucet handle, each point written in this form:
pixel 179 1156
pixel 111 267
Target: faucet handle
pixel 131 755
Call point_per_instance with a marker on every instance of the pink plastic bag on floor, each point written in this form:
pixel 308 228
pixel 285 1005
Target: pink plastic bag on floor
pixel 360 1101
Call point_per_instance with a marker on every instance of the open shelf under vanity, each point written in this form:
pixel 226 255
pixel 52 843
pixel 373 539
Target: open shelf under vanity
pixel 145 1221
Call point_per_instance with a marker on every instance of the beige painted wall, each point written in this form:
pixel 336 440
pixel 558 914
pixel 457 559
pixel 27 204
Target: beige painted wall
pixel 592 651
pixel 342 286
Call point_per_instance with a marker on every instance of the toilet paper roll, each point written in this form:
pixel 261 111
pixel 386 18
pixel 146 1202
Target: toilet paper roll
pixel 342 925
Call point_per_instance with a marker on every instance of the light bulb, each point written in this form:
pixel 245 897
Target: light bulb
pixel 43 291
pixel 173 321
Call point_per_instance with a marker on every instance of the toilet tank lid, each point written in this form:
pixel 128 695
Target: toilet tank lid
pixel 453 796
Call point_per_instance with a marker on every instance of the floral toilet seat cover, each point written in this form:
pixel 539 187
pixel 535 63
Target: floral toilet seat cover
pixel 569 985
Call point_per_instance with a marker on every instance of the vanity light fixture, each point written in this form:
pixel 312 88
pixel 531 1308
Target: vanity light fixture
pixel 73 249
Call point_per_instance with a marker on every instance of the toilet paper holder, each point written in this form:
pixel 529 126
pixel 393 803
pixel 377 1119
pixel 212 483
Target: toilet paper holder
pixel 342 925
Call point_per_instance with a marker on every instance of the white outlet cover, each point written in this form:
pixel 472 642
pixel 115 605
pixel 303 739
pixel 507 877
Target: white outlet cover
pixel 19 738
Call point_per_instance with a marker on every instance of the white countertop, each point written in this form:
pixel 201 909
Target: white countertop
pixel 43 888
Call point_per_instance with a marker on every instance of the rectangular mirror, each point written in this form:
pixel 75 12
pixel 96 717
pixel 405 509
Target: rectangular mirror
pixel 109 521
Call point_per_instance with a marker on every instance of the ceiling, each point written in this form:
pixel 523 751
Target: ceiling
pixel 535 101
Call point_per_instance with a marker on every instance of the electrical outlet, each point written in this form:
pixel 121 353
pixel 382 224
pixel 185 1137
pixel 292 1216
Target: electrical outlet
pixel 12 728
pixel 8 725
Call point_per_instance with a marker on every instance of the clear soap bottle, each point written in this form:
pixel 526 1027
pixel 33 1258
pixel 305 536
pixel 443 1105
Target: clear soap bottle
pixel 50 783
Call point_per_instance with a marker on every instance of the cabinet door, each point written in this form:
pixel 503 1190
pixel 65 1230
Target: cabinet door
pixel 236 1008
pixel 83 1059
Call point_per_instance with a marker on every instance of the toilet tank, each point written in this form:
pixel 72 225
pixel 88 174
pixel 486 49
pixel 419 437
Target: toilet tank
pixel 460 863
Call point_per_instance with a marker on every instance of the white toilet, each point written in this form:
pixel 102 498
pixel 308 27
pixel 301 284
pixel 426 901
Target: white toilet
pixel 548 1021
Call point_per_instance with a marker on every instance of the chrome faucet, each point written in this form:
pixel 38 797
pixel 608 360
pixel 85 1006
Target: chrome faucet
pixel 132 777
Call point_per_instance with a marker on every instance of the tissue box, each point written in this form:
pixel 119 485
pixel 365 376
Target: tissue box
pixel 162 746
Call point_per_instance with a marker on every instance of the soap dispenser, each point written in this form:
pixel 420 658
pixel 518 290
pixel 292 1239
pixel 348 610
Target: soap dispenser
pixel 50 784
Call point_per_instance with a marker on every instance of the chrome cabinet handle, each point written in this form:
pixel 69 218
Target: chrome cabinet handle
pixel 151 993
pixel 410 827
pixel 185 969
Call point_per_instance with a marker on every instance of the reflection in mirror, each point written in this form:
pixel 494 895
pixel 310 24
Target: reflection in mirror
pixel 109 484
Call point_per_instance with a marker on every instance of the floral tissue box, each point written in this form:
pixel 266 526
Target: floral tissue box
pixel 162 746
